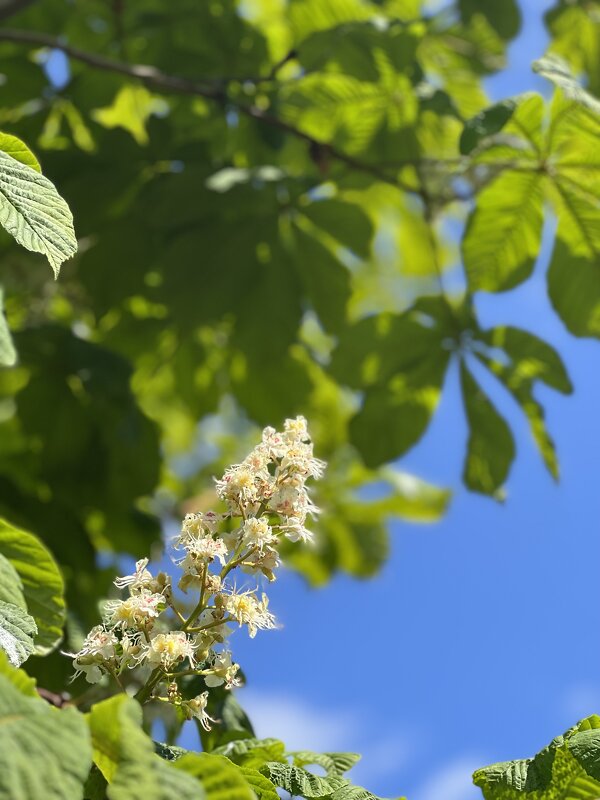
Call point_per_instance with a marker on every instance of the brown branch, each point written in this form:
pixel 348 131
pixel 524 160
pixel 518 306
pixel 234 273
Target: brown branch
pixel 160 81
pixel 9 8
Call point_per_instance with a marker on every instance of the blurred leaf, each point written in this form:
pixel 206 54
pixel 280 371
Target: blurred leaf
pixel 130 109
pixel 487 123
pixel 503 235
pixel 503 15
pixel 555 69
pixel 346 222
pixel 523 359
pixel 325 278
pixel 574 271
pixel 490 448
pixel 8 354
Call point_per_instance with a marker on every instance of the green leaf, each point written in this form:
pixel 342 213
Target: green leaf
pixel 11 586
pixel 44 753
pixel 125 756
pixel 332 763
pixel 557 70
pixel 503 15
pixel 220 778
pixel 17 630
pixel 345 222
pixel 8 354
pixel 298 781
pixel 18 150
pixel 565 770
pixel 253 753
pixel 131 108
pixel 503 234
pixel 487 123
pixel 574 271
pixel 263 788
pixel 18 677
pixel 402 360
pixel 326 280
pixel 43 585
pixel 491 447
pixel 34 213
pixel 523 359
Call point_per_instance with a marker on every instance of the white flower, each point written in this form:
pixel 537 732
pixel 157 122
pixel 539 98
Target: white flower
pixel 246 609
pixel 201 549
pixel 274 444
pixel 265 561
pixel 196 708
pixel 142 580
pixel 98 649
pixel 137 611
pixel 257 532
pixel 199 524
pixel 296 532
pixel 223 672
pixel 168 649
pixel 238 486
pixel 299 459
pixel 291 501
pixel 296 430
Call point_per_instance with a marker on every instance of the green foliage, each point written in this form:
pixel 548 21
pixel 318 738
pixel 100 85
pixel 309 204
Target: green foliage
pixel 568 769
pixel 125 756
pixel 17 630
pixel 41 582
pixel 262 192
pixel 43 752
pixel 33 212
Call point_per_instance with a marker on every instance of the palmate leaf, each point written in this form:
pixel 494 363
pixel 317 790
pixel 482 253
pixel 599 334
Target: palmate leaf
pixel 503 235
pixel 401 361
pixel 43 585
pixel 575 35
pixel 525 359
pixel 44 753
pixel 574 271
pixel 491 447
pixel 34 213
pixel 557 70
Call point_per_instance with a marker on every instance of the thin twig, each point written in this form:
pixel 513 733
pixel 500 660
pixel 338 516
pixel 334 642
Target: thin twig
pixel 156 79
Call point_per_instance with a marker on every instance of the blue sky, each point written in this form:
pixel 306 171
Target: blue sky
pixel 480 640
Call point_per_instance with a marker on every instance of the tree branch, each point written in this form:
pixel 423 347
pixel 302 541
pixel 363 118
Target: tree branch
pixel 160 81
pixel 10 7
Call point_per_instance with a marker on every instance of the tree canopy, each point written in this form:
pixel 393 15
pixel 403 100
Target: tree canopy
pixel 280 207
